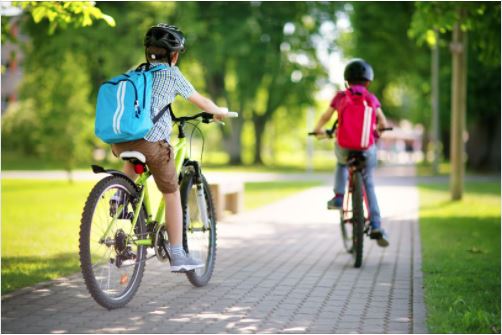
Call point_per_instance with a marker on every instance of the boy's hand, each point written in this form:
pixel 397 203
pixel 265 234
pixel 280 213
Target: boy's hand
pixel 219 117
pixel 222 113
pixel 319 133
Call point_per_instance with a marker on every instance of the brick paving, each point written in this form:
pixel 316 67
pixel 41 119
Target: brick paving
pixel 279 269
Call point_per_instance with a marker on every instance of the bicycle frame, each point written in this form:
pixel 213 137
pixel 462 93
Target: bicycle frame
pixel 180 157
pixel 181 154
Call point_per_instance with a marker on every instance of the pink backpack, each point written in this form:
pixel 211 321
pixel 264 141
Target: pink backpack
pixel 356 121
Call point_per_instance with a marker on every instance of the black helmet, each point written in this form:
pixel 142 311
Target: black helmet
pixel 357 70
pixel 165 36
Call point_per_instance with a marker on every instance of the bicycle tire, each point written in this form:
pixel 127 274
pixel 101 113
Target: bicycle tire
pixel 93 272
pixel 346 229
pixel 357 219
pixel 192 235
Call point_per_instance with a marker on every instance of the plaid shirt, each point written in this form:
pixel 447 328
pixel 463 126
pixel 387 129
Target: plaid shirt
pixel 167 84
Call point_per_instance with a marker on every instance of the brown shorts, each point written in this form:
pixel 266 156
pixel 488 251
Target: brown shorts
pixel 159 159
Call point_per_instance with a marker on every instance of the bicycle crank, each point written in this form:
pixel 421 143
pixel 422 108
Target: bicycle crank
pixel 160 244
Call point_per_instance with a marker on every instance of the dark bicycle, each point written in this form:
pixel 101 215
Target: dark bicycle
pixel 355 211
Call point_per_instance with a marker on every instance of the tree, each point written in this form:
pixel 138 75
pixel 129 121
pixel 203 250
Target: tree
pixel 55 91
pixel 401 67
pixel 251 62
pixel 461 18
pixel 63 14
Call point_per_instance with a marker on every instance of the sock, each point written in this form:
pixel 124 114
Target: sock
pixel 339 195
pixel 177 250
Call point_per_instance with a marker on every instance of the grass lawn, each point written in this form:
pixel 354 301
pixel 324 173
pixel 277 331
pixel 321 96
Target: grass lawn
pixel 461 258
pixel 40 225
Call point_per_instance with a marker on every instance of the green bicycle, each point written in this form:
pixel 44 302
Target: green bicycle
pixel 119 233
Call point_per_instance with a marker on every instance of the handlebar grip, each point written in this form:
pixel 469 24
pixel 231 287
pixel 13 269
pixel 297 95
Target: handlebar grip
pixel 232 114
pixel 386 129
pixel 312 133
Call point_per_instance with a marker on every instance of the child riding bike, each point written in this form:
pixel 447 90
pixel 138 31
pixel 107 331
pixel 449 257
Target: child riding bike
pixel 358 74
pixel 163 44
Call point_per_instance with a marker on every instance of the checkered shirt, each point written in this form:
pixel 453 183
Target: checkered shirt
pixel 167 84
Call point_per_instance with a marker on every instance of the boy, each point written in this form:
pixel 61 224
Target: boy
pixel 163 44
pixel 358 74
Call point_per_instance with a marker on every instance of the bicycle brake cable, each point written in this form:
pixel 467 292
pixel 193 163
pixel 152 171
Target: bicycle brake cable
pixel 196 127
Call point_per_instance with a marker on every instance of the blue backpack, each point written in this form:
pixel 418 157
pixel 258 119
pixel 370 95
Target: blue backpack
pixel 123 106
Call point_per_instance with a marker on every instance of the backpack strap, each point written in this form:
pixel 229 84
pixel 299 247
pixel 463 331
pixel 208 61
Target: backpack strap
pixel 150 67
pixel 161 113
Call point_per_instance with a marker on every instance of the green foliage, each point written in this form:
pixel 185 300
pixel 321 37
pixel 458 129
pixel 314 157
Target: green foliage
pixel 251 63
pixel 62 14
pixel 461 258
pixel 482 22
pixel 54 118
pixel 401 67
pixel 19 128
pixel 480 18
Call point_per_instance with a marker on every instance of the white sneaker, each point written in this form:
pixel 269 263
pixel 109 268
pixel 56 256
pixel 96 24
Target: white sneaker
pixel 184 263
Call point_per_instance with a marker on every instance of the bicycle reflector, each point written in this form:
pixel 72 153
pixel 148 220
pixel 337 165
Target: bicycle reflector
pixel 139 168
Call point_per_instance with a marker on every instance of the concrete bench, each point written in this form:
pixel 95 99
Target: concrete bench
pixel 227 196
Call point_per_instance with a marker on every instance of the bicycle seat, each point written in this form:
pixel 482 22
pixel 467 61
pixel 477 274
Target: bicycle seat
pixel 356 159
pixel 133 156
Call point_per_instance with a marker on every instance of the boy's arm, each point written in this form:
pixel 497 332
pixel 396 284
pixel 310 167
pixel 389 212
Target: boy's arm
pixel 207 105
pixel 325 117
pixel 381 120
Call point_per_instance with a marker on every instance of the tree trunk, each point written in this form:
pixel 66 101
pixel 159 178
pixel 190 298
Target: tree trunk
pixel 231 137
pixel 435 106
pixel 233 140
pixel 458 105
pixel 259 122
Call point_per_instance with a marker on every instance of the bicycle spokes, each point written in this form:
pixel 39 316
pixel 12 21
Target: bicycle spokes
pixel 109 256
pixel 197 231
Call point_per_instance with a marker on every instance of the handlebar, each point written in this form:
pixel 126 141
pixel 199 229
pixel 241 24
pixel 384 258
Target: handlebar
pixel 329 132
pixel 206 117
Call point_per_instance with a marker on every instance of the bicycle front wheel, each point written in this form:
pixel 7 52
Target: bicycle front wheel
pixel 357 219
pixel 199 226
pixel 112 265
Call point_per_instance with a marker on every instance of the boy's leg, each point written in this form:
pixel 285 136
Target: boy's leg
pixel 341 174
pixel 180 261
pixel 377 232
pixel 164 172
pixel 370 187
pixel 174 218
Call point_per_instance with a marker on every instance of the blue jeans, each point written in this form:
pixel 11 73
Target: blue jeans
pixel 341 175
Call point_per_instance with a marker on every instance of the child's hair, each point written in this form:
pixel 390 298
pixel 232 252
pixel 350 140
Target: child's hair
pixel 359 82
pixel 157 55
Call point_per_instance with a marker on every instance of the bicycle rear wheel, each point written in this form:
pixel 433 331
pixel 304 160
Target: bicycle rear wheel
pixel 199 240
pixel 112 265
pixel 357 218
pixel 346 228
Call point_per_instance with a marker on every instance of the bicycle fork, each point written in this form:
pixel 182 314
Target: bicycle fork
pixel 201 203
pixel 200 194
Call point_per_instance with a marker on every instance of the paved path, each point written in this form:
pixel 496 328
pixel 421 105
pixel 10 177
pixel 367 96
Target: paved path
pixel 280 269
